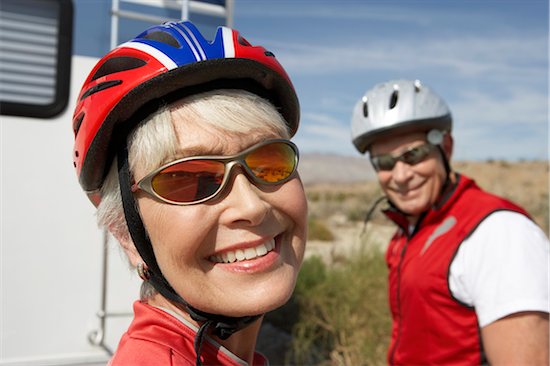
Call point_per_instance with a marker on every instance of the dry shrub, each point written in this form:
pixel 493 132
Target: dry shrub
pixel 351 200
pixel 318 230
pixel 525 183
pixel 343 313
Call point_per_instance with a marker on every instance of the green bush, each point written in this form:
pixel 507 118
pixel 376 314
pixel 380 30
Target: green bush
pixel 343 313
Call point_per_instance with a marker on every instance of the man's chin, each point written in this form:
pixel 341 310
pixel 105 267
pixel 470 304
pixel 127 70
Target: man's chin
pixel 411 209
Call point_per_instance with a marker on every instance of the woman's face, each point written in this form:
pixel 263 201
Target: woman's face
pixel 245 218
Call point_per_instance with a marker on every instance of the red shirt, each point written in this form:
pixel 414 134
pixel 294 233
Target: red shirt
pixel 431 327
pixel 157 338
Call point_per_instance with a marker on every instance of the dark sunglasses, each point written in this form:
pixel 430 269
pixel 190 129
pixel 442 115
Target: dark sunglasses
pixel 411 156
pixel 198 179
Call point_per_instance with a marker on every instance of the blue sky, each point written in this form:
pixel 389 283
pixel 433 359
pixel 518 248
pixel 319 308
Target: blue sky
pixel 487 58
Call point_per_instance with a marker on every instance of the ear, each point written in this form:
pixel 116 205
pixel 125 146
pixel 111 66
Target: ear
pixel 128 245
pixel 447 145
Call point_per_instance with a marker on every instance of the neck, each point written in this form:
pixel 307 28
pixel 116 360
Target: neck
pixel 446 189
pixel 241 343
pixel 413 220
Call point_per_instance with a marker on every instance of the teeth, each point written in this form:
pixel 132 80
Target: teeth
pixel 244 254
pixel 261 250
pixel 250 253
pixel 230 257
pixel 240 255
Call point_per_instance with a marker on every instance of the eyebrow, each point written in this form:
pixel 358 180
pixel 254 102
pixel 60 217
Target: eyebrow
pixel 192 151
pixel 410 147
pixel 401 151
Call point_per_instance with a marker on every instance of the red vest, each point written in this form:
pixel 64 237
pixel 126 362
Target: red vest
pixel 157 338
pixel 429 325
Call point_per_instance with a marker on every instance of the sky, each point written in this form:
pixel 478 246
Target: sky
pixel 488 59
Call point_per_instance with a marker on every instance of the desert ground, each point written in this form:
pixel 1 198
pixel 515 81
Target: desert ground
pixel 341 190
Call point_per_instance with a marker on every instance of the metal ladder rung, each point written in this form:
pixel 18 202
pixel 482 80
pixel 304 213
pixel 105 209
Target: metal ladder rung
pixel 186 7
pixel 140 16
pixel 194 6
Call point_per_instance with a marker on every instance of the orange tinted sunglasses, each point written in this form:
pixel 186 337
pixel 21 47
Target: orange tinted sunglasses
pixel 198 179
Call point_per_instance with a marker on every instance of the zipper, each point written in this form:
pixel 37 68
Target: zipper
pixel 408 234
pixel 398 300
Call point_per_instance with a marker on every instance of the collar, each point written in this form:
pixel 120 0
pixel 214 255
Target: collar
pixel 450 190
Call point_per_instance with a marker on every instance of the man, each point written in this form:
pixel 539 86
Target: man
pixel 468 271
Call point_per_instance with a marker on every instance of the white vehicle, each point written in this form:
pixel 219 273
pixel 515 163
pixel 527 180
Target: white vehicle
pixel 66 290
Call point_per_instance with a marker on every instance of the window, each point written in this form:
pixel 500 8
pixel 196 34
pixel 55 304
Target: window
pixel 35 57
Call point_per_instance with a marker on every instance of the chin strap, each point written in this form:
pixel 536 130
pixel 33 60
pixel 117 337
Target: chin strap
pixel 222 326
pixel 199 339
pixel 370 212
pixel 448 185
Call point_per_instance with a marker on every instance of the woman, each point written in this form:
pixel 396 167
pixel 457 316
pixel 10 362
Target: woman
pixel 183 145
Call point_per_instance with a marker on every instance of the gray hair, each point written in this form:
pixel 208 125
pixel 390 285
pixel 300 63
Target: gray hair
pixel 235 112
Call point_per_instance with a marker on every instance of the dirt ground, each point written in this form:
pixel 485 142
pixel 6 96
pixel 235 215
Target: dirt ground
pixel 342 205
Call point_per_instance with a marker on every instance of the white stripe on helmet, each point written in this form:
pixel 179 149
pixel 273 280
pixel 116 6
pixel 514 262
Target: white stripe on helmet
pixel 192 46
pixel 195 42
pixel 152 51
pixel 228 45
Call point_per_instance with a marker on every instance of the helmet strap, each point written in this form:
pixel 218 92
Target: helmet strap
pixel 435 137
pixel 449 185
pixel 223 326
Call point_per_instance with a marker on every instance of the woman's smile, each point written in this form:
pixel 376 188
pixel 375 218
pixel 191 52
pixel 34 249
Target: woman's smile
pixel 258 258
pixel 243 254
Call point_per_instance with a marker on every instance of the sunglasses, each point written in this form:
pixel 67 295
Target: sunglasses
pixel 411 156
pixel 198 179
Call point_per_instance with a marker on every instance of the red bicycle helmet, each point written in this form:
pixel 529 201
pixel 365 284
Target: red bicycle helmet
pixel 163 60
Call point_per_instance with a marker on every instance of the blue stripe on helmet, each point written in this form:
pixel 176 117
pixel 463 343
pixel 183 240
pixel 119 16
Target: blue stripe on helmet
pixel 190 39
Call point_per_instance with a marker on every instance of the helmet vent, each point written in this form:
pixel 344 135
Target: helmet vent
pixel 118 64
pixel 393 99
pixel 99 87
pixel 365 107
pixel 163 37
pixel 242 41
pixel 417 86
pixel 77 122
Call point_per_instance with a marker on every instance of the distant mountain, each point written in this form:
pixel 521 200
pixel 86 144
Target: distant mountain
pixel 333 168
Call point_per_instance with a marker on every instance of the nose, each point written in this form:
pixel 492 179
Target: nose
pixel 402 172
pixel 243 202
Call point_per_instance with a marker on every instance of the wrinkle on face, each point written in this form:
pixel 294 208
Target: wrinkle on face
pixel 184 237
pixel 412 188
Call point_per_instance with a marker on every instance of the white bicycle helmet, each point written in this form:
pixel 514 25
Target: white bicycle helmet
pixel 397 106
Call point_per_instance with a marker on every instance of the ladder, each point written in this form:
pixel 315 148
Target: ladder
pixel 97 336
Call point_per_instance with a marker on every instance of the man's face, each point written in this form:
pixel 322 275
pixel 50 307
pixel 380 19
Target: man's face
pixel 413 188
